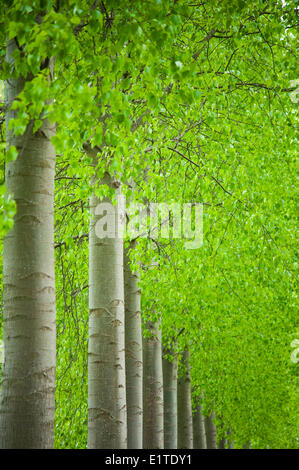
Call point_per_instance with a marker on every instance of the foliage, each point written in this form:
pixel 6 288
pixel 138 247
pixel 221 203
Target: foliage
pixel 191 102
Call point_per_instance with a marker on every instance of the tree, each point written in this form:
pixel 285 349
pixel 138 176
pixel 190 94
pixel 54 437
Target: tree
pixel 199 434
pixel 153 407
pixel 107 410
pixel 170 375
pixel 28 375
pixel 134 359
pixel 185 429
pixel 210 431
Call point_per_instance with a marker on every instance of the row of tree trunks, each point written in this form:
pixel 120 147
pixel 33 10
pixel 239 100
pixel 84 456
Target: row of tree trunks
pixel 128 405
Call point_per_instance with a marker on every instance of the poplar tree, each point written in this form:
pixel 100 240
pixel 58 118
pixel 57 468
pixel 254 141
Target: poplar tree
pixel 134 357
pixel 28 375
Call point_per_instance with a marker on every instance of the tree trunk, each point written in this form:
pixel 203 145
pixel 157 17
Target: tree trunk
pixel 133 342
pixel 170 373
pixel 185 428
pixel 153 418
pixel 221 444
pixel 199 435
pixel 107 420
pixel 230 442
pixel 210 431
pixel 219 431
pixel 28 374
pixel 246 445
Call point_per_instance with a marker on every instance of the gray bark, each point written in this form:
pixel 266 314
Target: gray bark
pixel 133 343
pixel 210 431
pixel 107 414
pixel 221 444
pixel 153 409
pixel 199 435
pixel 230 442
pixel 28 374
pixel 185 428
pixel 246 445
pixel 170 373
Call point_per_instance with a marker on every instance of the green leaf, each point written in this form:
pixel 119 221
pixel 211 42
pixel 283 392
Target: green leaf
pixel 11 154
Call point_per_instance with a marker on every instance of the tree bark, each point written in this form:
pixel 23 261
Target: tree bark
pixel 170 373
pixel 221 444
pixel 28 374
pixel 133 343
pixel 185 428
pixel 246 446
pixel 219 431
pixel 230 442
pixel 153 413
pixel 210 431
pixel 199 435
pixel 107 414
